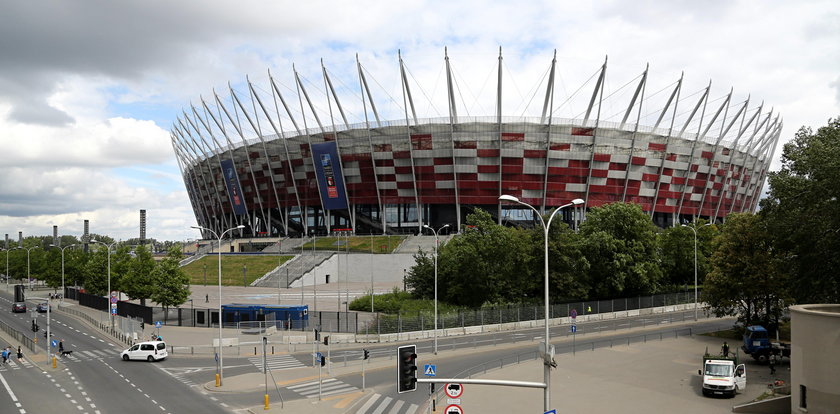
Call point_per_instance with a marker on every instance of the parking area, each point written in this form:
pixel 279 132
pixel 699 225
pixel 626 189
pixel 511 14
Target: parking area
pixel 657 376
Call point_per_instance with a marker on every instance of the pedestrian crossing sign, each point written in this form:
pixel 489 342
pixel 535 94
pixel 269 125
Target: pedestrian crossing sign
pixel 429 370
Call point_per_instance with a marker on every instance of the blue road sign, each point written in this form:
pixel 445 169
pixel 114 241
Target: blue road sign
pixel 430 370
pixel 573 313
pixel 551 412
pixel 158 324
pixel 54 343
pixel 574 328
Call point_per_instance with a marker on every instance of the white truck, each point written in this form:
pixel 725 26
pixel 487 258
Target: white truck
pixel 723 376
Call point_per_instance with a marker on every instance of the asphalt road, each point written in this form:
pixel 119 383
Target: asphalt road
pixel 101 381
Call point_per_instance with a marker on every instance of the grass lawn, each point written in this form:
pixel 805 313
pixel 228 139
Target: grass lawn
pixel 256 267
pixel 381 244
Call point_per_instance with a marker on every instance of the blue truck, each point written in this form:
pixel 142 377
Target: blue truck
pixel 757 344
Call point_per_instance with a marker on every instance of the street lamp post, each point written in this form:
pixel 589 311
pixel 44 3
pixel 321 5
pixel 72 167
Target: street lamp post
pixel 437 246
pixel 28 277
pixel 695 266
pixel 547 357
pixel 108 295
pixel 62 269
pixel 221 361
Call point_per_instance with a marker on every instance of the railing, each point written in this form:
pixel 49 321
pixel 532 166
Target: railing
pixel 19 336
pixel 120 330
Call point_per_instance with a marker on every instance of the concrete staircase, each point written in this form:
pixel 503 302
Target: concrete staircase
pixel 292 270
pixel 427 243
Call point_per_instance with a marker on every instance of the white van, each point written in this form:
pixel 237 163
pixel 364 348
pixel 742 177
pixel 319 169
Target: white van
pixel 149 351
pixel 721 376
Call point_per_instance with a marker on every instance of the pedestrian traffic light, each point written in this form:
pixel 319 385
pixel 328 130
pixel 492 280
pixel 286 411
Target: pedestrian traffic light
pixel 406 368
pixel 326 340
pixel 317 335
pixel 367 353
pixel 323 360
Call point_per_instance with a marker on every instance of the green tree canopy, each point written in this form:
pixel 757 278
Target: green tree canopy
pixel 172 285
pixel 803 213
pixel 139 283
pixel 744 280
pixel 620 246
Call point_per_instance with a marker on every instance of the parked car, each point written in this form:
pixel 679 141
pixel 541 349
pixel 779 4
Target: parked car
pixel 149 351
pixel 42 307
pixel 19 307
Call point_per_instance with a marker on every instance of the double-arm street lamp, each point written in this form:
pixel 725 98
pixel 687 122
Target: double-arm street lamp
pixel 7 266
pixel 547 357
pixel 108 295
pixel 29 249
pixel 695 266
pixel 437 247
pixel 219 237
pixel 62 268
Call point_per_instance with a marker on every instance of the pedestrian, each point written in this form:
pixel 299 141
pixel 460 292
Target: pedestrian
pixel 772 362
pixel 207 298
pixel 60 345
pixel 725 349
pixel 19 353
pixel 5 355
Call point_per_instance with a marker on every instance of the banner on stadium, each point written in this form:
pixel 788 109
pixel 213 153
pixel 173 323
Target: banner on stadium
pixel 328 173
pixel 233 187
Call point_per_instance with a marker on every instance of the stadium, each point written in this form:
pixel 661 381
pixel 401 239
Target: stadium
pixel 280 162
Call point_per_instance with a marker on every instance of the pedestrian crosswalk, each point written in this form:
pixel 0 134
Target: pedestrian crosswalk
pixel 378 404
pixel 276 362
pixel 329 386
pixel 15 363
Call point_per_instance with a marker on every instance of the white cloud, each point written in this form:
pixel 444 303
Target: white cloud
pixel 88 93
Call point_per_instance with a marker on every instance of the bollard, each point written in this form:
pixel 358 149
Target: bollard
pixel 54 362
pixel 218 380
pixel 266 402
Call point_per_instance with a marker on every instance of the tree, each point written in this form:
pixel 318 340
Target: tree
pixel 172 285
pixel 567 265
pixel 138 283
pixel 420 278
pixel 744 280
pixel 803 213
pixel 620 246
pixel 676 252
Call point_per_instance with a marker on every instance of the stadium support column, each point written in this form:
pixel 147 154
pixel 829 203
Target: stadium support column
pixel 275 93
pixel 501 142
pixel 189 182
pixel 302 91
pixel 765 166
pixel 674 94
pixel 597 92
pixel 189 144
pixel 238 127
pixel 700 137
pixel 365 91
pixel 220 125
pixel 407 101
pixel 740 169
pixel 762 154
pixel 639 89
pixel 258 128
pixel 732 150
pixel 329 85
pixel 723 131
pixel 225 220
pixel 453 119
pixel 548 108
pixel 758 146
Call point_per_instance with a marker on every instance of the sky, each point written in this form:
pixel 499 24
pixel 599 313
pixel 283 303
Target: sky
pixel 89 90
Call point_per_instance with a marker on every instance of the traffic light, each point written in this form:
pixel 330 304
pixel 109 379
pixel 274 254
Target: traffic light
pixel 317 335
pixel 407 368
pixel 326 340
pixel 323 360
pixel 367 353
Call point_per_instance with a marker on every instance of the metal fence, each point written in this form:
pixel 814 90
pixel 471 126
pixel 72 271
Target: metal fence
pixel 421 321
pixel 19 336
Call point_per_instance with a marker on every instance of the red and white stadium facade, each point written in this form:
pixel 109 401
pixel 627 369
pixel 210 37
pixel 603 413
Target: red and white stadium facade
pixel 248 159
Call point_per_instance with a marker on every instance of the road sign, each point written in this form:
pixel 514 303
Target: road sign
pixel 573 313
pixel 113 311
pixel 574 328
pixel 454 390
pixel 551 412
pixel 453 409
pixel 113 299
pixel 158 324
pixel 430 370
pixel 113 293
pixel 456 401
pixel 54 343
